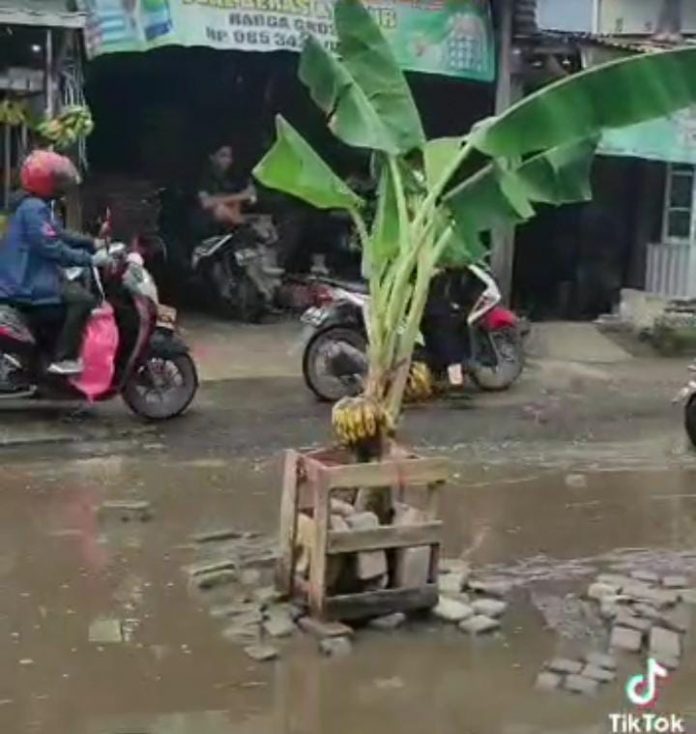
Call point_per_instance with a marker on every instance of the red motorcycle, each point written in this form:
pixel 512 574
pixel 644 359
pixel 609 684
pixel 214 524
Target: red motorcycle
pixel 130 347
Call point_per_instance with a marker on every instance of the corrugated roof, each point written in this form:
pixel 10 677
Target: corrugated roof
pixel 49 13
pixel 636 44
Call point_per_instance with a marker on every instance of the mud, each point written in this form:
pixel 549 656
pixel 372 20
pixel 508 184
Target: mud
pixel 157 662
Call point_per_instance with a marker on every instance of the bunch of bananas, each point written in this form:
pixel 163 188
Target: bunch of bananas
pixel 359 420
pixel 66 129
pixel 419 385
pixel 13 113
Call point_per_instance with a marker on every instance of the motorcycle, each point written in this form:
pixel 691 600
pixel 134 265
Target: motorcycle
pixel 687 396
pixel 236 269
pixel 145 362
pixel 234 272
pixel 334 340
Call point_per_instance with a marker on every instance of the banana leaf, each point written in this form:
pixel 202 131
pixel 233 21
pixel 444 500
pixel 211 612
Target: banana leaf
pixel 617 94
pixel 438 154
pixel 351 116
pixel 385 237
pixel 365 95
pixel 293 167
pixel 369 59
pixel 498 196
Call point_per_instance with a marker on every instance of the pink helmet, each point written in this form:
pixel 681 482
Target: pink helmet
pixel 46 174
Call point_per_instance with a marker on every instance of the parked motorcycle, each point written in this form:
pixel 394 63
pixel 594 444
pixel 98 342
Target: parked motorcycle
pixel 687 396
pixel 233 273
pixel 150 368
pixel 236 271
pixel 334 340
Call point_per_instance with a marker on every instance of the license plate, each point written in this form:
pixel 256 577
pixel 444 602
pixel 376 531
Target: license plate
pixel 166 317
pixel 313 317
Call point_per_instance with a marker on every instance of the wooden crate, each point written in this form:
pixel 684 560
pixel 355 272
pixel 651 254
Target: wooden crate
pixel 308 482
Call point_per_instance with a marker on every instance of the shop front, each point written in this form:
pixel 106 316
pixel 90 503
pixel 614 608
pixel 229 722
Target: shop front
pixel 169 81
pixel 40 71
pixel 670 255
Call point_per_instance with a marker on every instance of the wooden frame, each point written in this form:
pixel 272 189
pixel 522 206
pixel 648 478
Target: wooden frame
pixel 308 483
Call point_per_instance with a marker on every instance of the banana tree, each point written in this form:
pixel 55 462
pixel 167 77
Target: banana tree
pixel 437 198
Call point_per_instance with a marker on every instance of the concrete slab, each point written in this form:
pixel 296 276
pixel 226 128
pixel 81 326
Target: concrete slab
pixel 227 350
pixel 574 342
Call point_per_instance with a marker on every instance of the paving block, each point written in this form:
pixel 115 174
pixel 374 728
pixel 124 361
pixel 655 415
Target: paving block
pixel 564 666
pixel 451 610
pixel 479 625
pixel 582 685
pixel 547 681
pixel 623 638
pixel 665 642
pixel 601 675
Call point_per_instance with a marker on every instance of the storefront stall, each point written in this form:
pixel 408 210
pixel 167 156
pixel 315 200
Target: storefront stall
pixel 40 73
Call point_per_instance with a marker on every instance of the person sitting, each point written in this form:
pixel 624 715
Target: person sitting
pixel 41 263
pixel 221 195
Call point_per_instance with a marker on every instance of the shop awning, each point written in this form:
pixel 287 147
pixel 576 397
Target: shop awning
pixel 44 13
pixel 669 139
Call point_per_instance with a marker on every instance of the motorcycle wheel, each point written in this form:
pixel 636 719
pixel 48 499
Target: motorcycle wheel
pixel 690 420
pixel 508 359
pixel 315 370
pixel 162 387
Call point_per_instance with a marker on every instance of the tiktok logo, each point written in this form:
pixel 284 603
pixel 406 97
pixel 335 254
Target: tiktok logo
pixel 642 690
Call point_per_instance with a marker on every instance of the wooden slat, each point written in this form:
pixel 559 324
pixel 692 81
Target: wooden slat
pixel 288 524
pixel 410 472
pixel 383 538
pixel 318 563
pixel 377 603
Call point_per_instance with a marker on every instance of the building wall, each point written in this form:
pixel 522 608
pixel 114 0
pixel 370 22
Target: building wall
pixel 565 15
pixel 615 16
pixel 639 16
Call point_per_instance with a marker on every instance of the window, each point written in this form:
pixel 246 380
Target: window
pixel 679 204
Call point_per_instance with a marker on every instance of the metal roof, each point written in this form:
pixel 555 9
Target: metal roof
pixel 635 44
pixel 46 13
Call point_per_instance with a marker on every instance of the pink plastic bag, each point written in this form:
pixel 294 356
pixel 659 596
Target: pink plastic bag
pixel 99 346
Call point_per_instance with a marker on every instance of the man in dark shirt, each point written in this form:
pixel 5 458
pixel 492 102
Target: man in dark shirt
pixel 221 193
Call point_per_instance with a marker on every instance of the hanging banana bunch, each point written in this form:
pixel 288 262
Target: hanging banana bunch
pixel 419 384
pixel 13 113
pixel 73 124
pixel 360 420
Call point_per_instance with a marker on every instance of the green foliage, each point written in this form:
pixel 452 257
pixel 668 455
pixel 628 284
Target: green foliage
pixel 438 199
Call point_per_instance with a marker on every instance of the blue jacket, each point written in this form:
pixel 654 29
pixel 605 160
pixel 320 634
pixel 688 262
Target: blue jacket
pixel 34 252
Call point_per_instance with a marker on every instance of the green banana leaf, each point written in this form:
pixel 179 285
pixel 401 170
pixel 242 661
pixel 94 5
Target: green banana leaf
pixel 352 117
pixel 364 95
pixel 370 60
pixel 293 167
pixel 438 154
pixel 498 196
pixel 385 236
pixel 617 94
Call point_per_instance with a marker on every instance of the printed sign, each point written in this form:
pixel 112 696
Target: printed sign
pixel 452 37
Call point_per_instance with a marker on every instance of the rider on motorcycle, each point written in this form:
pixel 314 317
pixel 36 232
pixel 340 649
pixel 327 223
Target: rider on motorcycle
pixel 41 263
pixel 221 194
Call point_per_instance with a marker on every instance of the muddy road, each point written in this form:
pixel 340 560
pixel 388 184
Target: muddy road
pixel 101 631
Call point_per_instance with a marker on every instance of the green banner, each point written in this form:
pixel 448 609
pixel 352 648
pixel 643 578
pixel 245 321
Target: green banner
pixel 670 139
pixel 452 37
